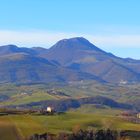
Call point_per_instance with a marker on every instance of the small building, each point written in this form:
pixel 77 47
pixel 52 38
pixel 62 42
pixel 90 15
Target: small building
pixel 49 109
pixel 138 115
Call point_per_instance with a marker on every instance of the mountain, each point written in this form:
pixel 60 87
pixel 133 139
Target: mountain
pixel 68 60
pixel 11 49
pixel 25 68
pixel 78 53
pixel 73 50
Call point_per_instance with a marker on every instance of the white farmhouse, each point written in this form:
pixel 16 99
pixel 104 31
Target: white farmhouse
pixel 49 109
pixel 138 115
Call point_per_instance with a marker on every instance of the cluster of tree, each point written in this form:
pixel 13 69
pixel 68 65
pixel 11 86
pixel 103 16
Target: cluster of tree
pixel 86 135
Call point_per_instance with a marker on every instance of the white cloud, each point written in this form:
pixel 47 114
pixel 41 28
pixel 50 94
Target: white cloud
pixel 30 38
pixel 118 40
pixel 46 39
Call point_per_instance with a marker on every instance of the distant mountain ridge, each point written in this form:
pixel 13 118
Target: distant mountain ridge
pixel 68 60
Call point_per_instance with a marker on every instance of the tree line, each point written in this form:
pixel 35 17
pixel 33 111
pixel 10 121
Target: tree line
pixel 89 135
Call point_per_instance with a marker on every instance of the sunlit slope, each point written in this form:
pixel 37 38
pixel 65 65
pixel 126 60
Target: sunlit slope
pixel 26 125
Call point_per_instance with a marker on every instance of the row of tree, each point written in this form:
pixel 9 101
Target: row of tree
pixel 88 135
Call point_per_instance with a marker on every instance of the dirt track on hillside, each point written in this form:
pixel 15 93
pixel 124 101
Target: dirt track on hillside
pixel 8 131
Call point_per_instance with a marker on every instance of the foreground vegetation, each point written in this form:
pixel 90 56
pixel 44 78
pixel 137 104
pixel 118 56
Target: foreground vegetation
pixel 21 126
pixel 89 135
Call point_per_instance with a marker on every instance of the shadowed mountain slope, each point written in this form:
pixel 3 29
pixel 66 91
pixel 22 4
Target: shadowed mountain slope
pixel 25 68
pixel 67 60
pixel 78 53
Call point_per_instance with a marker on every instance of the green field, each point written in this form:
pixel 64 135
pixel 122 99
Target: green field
pixel 97 109
pixel 20 126
pixel 38 92
pixel 15 127
pixel 28 98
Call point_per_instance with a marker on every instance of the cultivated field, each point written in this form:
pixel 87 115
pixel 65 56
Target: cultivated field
pixel 14 127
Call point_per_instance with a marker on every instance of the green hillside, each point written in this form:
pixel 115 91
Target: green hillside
pixel 97 109
pixel 28 98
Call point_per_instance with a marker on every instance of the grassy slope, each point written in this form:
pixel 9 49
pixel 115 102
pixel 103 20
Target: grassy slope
pixel 27 124
pixel 122 93
pixel 97 109
pixel 23 99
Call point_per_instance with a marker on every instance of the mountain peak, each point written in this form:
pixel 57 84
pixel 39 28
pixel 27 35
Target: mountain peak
pixel 67 50
pixel 79 39
pixel 6 49
pixel 76 43
pixel 75 39
pixel 9 46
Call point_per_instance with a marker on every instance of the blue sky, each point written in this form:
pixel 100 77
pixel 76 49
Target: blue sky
pixel 112 25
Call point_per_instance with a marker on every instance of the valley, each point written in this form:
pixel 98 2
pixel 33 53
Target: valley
pixel 69 70
pixel 91 87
